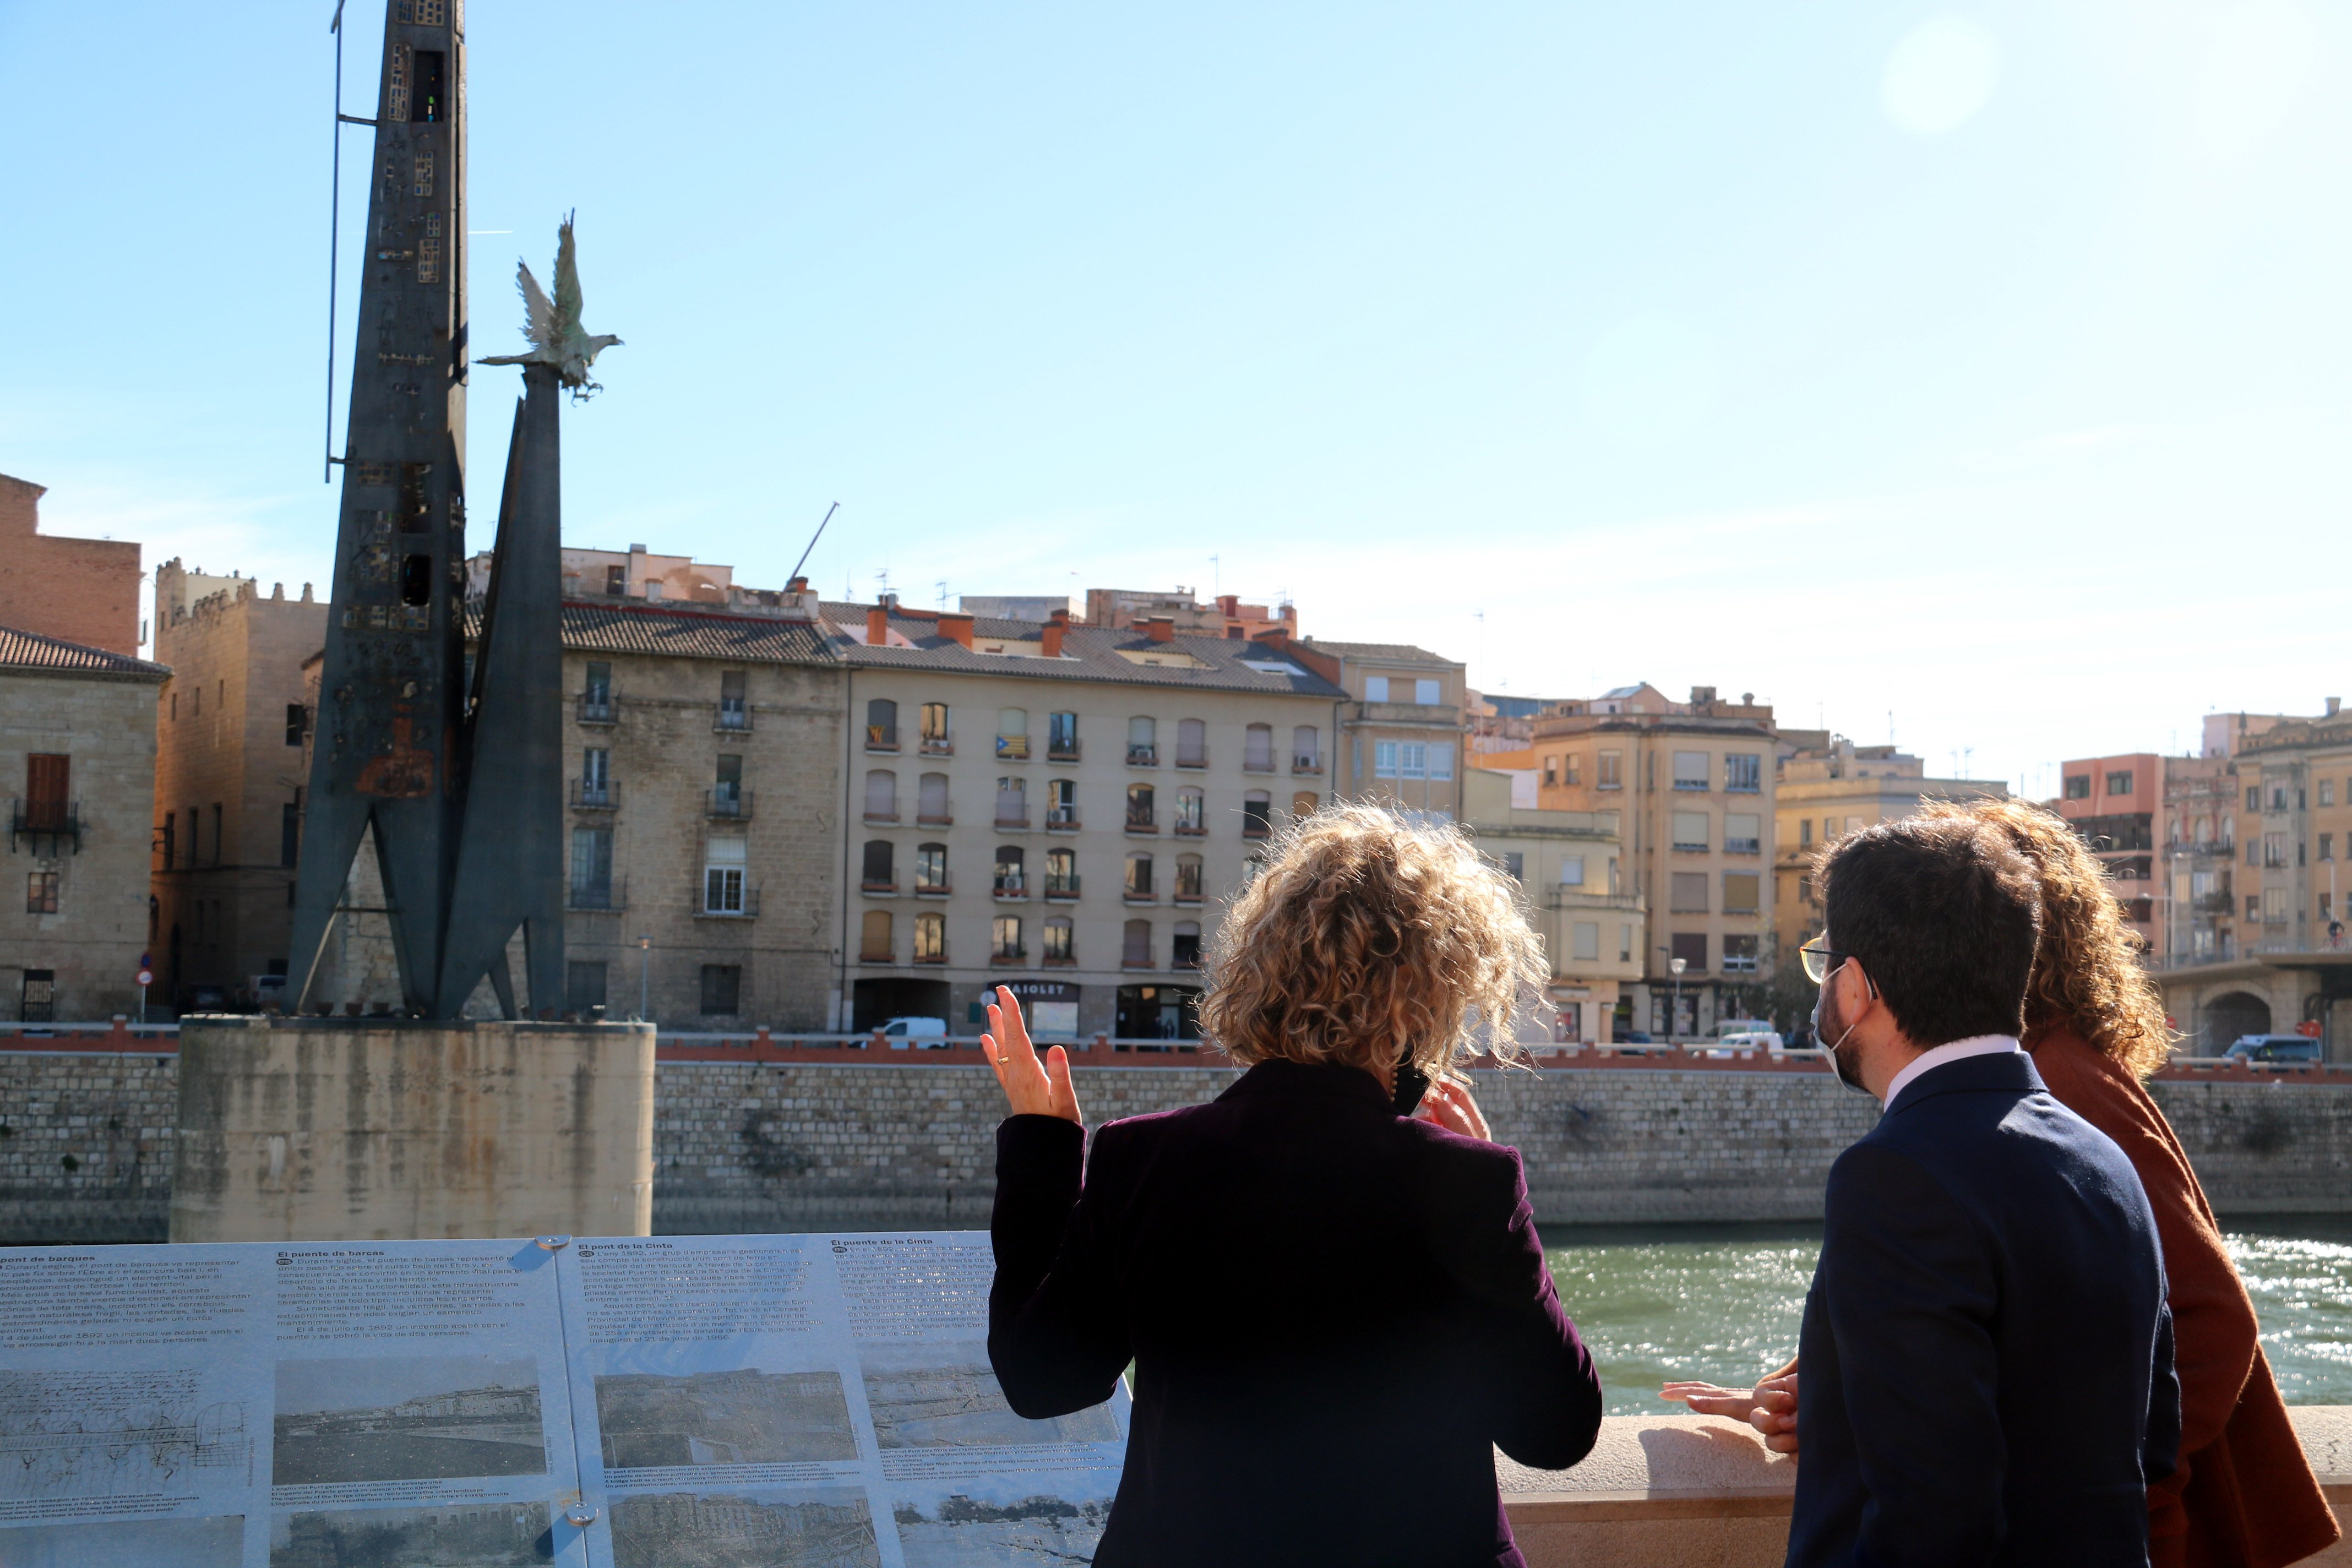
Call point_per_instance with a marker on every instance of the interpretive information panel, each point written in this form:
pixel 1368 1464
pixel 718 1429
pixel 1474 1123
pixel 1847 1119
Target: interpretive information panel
pixel 705 1402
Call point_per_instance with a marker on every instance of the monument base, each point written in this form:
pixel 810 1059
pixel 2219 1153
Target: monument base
pixel 394 1129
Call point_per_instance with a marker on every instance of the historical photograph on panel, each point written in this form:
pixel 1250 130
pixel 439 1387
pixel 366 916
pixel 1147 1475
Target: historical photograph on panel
pixel 748 1417
pixel 454 1536
pixel 806 1527
pixel 116 1434
pixel 944 1395
pixel 405 1418
pixel 968 1524
pixel 214 1542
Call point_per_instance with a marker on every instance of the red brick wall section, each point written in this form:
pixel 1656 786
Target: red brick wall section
pixel 82 590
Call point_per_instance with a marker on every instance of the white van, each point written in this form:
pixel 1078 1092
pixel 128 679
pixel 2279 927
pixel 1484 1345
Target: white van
pixel 1751 1040
pixel 1741 1027
pixel 931 1032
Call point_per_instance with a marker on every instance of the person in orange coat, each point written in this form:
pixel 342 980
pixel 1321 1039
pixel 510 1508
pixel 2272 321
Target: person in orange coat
pixel 2242 1495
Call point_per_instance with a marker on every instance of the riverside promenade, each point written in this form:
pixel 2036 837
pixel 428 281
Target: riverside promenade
pixel 765 1132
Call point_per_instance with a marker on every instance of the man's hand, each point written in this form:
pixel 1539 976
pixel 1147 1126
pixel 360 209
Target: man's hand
pixel 1770 1407
pixel 1031 1086
pixel 1449 1105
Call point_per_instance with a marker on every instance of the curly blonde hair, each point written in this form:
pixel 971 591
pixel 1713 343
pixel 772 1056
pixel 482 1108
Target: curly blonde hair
pixel 2086 973
pixel 1365 937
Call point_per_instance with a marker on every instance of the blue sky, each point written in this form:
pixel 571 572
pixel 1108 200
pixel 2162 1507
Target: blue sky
pixel 1986 367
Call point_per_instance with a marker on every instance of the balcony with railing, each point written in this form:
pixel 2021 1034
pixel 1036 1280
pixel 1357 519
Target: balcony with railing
pixel 1142 757
pixel 1011 820
pixel 1193 757
pixel 937 746
pixel 598 708
pixel 733 716
pixel 47 824
pixel 887 887
pixel 1062 819
pixel 1008 957
pixel 941 889
pixel 1187 892
pixel 595 795
pixel 1010 887
pixel 1305 762
pixel 1257 762
pixel 1061 890
pixel 728 803
pixel 1142 823
pixel 937 817
pixel 882 738
pixel 1061 751
pixel 882 814
pixel 1190 828
pixel 1012 748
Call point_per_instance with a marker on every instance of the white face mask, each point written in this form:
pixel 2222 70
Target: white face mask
pixel 1848 1074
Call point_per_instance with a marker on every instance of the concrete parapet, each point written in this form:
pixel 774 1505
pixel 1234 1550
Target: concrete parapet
pixel 367 1129
pixel 1685 1491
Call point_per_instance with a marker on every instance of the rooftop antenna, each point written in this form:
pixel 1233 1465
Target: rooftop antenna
pixel 813 538
pixel 942 587
pixel 1216 578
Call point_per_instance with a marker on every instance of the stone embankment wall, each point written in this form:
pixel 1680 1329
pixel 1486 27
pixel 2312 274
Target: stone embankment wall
pixel 744 1146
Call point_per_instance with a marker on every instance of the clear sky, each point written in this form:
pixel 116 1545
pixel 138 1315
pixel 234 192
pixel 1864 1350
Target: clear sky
pixel 1986 368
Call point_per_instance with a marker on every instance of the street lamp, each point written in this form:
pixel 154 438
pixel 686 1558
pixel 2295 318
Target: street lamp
pixel 644 976
pixel 1675 966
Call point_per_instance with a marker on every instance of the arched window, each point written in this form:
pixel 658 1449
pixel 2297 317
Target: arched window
pixel 930 937
pixel 930 867
pixel 880 874
pixel 874 939
pixel 1138 877
pixel 1012 802
pixel 1188 813
pixel 1306 749
pixel 1257 810
pixel 1061 874
pixel 881 795
pixel 937 741
pixel 1192 743
pixel 1143 741
pixel 1061 946
pixel 1140 815
pixel 1257 749
pixel 1186 953
pixel 931 800
pixel 1004 940
pixel 1188 878
pixel 1135 951
pixel 881 725
pixel 1012 876
pixel 1012 734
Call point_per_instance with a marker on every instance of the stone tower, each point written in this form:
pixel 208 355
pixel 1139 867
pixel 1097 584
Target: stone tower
pixel 389 751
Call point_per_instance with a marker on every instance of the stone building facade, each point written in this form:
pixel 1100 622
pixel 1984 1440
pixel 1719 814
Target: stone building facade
pixel 77 756
pixel 1062 808
pixel 229 729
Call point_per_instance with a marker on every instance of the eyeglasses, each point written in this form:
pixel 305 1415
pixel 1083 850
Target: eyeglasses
pixel 1820 959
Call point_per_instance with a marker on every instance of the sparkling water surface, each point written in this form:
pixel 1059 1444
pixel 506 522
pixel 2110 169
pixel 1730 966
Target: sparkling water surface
pixel 1722 1302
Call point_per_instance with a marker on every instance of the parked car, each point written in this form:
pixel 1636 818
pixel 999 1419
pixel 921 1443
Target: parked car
pixel 1753 1040
pixel 1724 1027
pixel 1636 1037
pixel 918 1034
pixel 2275 1048
pixel 203 999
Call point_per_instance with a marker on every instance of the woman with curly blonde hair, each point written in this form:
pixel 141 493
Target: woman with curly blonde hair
pixel 1329 1284
pixel 2242 1494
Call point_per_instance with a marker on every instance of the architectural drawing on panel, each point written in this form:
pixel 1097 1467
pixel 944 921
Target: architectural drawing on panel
pixel 214 1542
pixel 741 1417
pixel 377 1418
pixel 815 1527
pixel 113 1433
pixel 963 1532
pixel 940 1396
pixel 452 1535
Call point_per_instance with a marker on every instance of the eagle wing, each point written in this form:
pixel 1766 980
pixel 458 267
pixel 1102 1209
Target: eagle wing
pixel 539 325
pixel 567 280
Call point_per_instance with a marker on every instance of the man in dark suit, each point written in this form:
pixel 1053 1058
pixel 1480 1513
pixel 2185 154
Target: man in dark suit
pixel 1987 1353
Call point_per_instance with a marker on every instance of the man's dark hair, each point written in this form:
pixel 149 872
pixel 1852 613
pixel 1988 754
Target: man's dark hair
pixel 1943 915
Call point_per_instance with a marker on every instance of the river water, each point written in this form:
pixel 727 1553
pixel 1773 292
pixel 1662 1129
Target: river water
pixel 1722 1302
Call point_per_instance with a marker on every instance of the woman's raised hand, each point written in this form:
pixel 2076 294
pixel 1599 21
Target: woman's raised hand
pixel 1031 1086
pixel 1449 1105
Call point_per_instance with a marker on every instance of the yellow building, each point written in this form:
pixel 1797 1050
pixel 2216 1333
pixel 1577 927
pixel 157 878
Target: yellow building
pixel 1401 728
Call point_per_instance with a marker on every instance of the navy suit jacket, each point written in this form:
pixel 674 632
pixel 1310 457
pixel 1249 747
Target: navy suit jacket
pixel 1335 1316
pixel 1987 1356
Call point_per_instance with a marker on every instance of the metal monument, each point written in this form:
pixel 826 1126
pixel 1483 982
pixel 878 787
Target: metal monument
pixel 453 772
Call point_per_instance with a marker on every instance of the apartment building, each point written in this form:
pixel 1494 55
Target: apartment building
pixel 78 753
pixel 1826 790
pixel 229 729
pixel 1059 807
pixel 1402 726
pixel 2112 801
pixel 1117 609
pixel 1571 865
pixel 1693 782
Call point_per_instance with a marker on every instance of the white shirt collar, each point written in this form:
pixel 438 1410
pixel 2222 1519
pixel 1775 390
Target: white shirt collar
pixel 1930 1060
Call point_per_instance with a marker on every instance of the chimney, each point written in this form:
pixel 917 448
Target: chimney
pixel 1229 603
pixel 1275 638
pixel 1701 696
pixel 797 585
pixel 877 627
pixel 1160 628
pixel 1050 638
pixel 957 629
pixel 2334 703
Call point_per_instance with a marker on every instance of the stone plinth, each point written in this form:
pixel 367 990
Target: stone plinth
pixel 1697 1492
pixel 369 1128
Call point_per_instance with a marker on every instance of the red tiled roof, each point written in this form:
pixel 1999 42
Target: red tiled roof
pixel 30 650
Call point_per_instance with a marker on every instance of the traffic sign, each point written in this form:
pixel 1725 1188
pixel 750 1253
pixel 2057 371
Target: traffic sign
pixel 2308 1028
pixel 146 977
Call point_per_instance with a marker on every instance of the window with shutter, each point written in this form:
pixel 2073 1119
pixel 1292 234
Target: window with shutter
pixel 1588 941
pixel 1425 693
pixel 931 800
pixel 1742 891
pixel 48 785
pixel 1690 770
pixel 881 795
pixel 1690 830
pixel 1687 895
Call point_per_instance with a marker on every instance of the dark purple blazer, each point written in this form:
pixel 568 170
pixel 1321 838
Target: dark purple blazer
pixel 1335 1315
